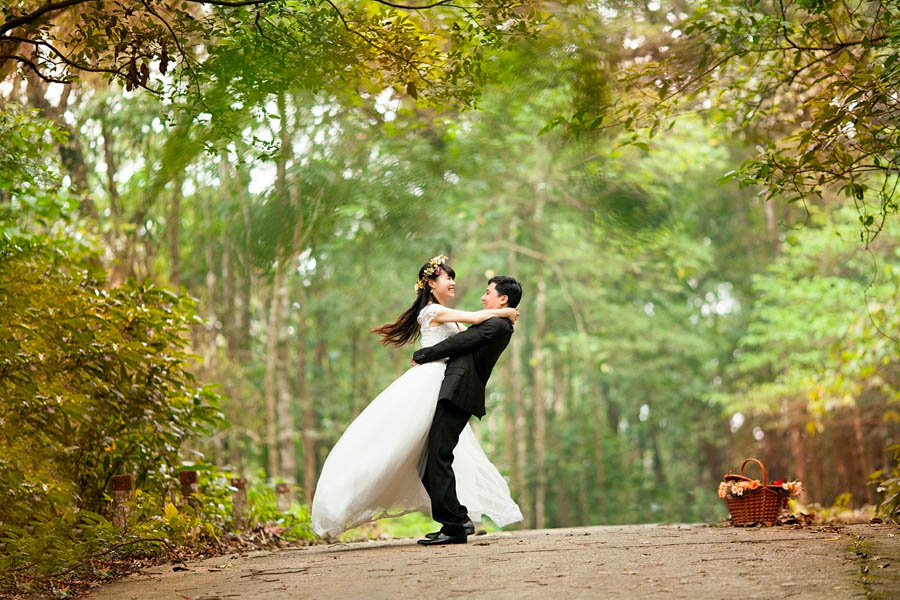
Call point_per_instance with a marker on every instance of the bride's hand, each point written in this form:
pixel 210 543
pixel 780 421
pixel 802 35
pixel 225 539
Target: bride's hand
pixel 512 314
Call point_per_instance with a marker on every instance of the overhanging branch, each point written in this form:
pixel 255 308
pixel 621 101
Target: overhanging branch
pixel 14 22
pixel 35 68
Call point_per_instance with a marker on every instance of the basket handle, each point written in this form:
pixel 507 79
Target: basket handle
pixel 761 466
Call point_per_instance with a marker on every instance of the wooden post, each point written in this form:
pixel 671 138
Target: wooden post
pixel 122 487
pixel 188 486
pixel 283 497
pixel 239 503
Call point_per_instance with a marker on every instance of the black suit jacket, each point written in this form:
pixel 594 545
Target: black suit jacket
pixel 473 354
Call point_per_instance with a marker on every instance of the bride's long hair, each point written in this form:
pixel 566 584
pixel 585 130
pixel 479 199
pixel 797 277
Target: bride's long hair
pixel 406 328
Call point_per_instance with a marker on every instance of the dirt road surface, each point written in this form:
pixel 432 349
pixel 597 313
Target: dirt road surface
pixel 636 561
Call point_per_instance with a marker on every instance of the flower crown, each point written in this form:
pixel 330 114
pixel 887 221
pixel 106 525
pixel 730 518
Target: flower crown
pixel 433 269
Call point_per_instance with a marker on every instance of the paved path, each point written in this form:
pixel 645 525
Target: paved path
pixel 635 561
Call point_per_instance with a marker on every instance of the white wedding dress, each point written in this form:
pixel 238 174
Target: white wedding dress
pixel 374 470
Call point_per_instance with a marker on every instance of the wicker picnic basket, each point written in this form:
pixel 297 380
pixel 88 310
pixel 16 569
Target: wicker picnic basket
pixel 762 505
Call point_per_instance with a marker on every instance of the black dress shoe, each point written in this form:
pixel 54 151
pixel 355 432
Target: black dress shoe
pixel 442 539
pixel 469 525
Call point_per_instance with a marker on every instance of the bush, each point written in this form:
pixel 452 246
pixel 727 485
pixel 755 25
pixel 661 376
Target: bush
pixel 93 382
pixel 888 484
pixel 53 552
pixel 294 525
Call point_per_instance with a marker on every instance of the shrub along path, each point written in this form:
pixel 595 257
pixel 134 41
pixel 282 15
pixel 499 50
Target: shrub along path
pixel 634 561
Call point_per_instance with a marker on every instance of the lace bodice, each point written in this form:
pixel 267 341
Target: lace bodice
pixel 438 333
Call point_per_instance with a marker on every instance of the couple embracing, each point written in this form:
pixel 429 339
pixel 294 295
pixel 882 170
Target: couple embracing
pixel 411 449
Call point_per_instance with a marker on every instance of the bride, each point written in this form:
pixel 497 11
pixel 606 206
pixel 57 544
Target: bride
pixel 374 469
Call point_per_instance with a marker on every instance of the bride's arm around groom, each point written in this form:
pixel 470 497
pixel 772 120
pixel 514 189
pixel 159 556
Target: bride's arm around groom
pixel 464 342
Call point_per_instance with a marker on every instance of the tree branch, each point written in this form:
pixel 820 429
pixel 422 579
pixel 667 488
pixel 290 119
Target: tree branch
pixel 405 7
pixel 116 547
pixel 227 3
pixel 59 53
pixel 34 68
pixel 185 56
pixel 14 22
pixel 66 60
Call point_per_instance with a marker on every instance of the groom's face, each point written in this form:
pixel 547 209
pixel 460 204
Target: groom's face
pixel 491 299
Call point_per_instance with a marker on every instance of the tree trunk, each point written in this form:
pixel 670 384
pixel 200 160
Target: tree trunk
pixel 862 459
pixel 519 473
pixel 271 387
pixel 229 301
pixel 540 366
pixel 509 422
pixel 284 408
pixel 287 449
pixel 771 225
pixel 599 458
pixel 355 400
pixel 797 453
pixel 71 152
pixel 659 471
pixel 173 227
pixel 560 416
pixel 228 293
pixel 112 190
pixel 245 288
pixel 211 297
pixel 509 406
pixel 364 389
pixel 310 464
pixel 613 411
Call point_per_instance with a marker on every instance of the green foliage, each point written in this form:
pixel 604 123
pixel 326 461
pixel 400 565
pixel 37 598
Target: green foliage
pixel 806 83
pixel 888 484
pixel 292 525
pixel 434 54
pixel 824 327
pixel 49 545
pixel 77 543
pixel 95 382
pixel 30 199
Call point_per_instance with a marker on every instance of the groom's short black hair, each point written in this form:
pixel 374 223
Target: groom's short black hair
pixel 509 287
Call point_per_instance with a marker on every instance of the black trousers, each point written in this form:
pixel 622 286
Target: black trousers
pixel 438 478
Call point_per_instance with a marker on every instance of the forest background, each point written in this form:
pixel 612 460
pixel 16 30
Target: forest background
pixel 698 199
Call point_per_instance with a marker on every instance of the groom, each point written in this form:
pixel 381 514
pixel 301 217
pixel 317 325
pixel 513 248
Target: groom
pixel 472 355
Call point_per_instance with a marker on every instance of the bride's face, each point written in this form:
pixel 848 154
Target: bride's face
pixel 443 287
